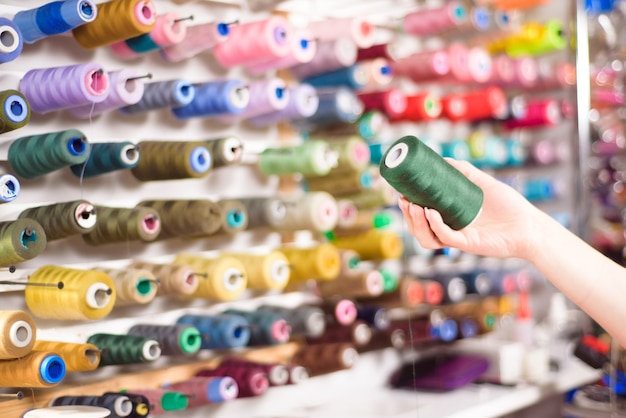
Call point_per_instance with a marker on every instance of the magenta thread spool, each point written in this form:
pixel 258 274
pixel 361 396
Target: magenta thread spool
pixel 168 30
pixel 266 96
pixel 207 390
pixel 539 113
pixel 198 38
pixel 331 55
pixel 358 29
pixel 303 102
pixel 126 88
pixel 387 51
pixel 303 48
pixel 435 20
pixel 251 381
pixel 391 102
pixel 277 373
pixel 56 88
pixel 423 66
pixel 254 42
pixel 340 311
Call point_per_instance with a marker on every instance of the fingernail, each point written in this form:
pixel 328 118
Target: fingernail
pixel 426 213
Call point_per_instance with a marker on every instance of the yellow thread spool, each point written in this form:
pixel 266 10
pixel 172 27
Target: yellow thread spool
pixel 322 262
pixel 383 195
pixel 265 271
pixel 174 279
pixel 225 279
pixel 77 357
pixel 18 334
pixel 372 245
pixel 26 372
pixel 116 20
pixel 362 285
pixel 133 286
pixel 86 294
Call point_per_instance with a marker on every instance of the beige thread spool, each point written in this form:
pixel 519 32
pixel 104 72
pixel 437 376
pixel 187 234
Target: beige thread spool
pixel 364 284
pixel 225 280
pixel 313 211
pixel 265 271
pixel 18 334
pixel 174 279
pixel 133 286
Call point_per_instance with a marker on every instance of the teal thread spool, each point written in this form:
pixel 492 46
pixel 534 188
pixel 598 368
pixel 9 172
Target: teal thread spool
pixel 33 156
pixel 425 178
pixel 313 158
pixel 106 157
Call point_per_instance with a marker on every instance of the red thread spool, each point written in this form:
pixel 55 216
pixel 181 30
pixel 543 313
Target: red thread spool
pixel 402 335
pixel 391 102
pixel 326 358
pixel 454 107
pixel 423 66
pixel 277 374
pixel 254 42
pixel 420 107
pixel 386 51
pixel 485 104
pixel 251 381
pixel 433 292
pixel 408 294
pixel 358 333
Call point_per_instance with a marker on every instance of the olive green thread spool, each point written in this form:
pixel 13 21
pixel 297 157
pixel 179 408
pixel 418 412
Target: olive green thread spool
pixel 225 151
pixel 186 218
pixel 424 178
pixel 353 154
pixel 341 184
pixel 14 110
pixel 383 195
pixel 313 158
pixel 61 220
pixel 124 224
pixel 172 160
pixel 20 240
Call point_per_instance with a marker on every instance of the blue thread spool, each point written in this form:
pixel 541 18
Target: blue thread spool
pixel 541 189
pixel 457 149
pixel 220 331
pixel 446 330
pixel 11 40
pixel 516 153
pixel 481 18
pixel 106 157
pixel 216 98
pixel 354 77
pixel 468 327
pixel 161 95
pixel 377 151
pixel 336 106
pixel 267 328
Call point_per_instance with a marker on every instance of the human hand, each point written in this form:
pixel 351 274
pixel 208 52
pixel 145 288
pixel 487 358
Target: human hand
pixel 507 225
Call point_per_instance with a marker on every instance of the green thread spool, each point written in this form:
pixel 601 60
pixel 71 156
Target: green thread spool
pixel 61 220
pixel 36 155
pixel 175 340
pixel 234 216
pixel 225 151
pixel 171 160
pixel 123 225
pixel 425 178
pixel 106 157
pixel 371 124
pixel 125 349
pixel 313 158
pixel 353 154
pixel 341 184
pixel 390 281
pixel 20 240
pixel 186 218
pixel 383 195
pixel 14 110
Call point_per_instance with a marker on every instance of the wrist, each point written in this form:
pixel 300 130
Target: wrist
pixel 540 230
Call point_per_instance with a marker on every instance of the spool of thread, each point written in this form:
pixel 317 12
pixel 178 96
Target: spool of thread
pixel 57 88
pixel 265 212
pixel 462 201
pixel 115 225
pixel 11 40
pixel 423 66
pixel 542 189
pixel 186 218
pixel 118 405
pixel 408 294
pixel 133 286
pixel 457 149
pixel 364 221
pixel 161 400
pixel 171 160
pixel 85 294
pixel 250 381
pixel 18 334
pixel 390 280
pixel 198 39
pixel 225 277
pixel 364 284
pixel 126 89
pixel 487 151
pixel 265 271
pixel 167 31
pixel 478 21
pixel 331 55
pixel 372 245
pixel 174 279
pixel 219 331
pixel 61 220
pixel 379 73
pixel 216 98
pixel 309 321
pixel 277 373
pixel 162 95
pixel 234 217
pixel 353 155
pixel 225 151
pixel 339 311
pixel 369 126
pixel 311 158
pixel 388 51
pixel 420 108
pixel 376 152
pixel 77 357
pixel 266 96
pixel 534 39
pixel 341 184
pixel 453 285
pixel 116 21
pixel 373 198
pixel 14 109
pixel 454 107
pixel 54 18
pixel 302 102
pixel 420 331
pixel 354 77
pixel 266 328
pixel 555 75
pixel 68 411
pixel 106 157
pixel 253 42
pixel 358 333
pixel 37 369
pixel 303 48
pixel 207 390
pixel 348 213
pixel 391 102
pixel 358 29
pixel 20 240
pixel 321 262
pixel 124 349
pixel 485 104
pixel 326 358
pixel 350 261
pixel 375 316
pixel 315 211
pixel 430 21
pixel 174 340
pixel 336 107
pixel 539 113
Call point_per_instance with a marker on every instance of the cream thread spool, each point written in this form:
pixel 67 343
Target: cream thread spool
pixel 265 271
pixel 313 211
pixel 18 334
pixel 174 279
pixel 225 279
pixel 133 286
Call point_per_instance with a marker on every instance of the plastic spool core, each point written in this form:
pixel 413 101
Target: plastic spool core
pixel 345 312
pixel 185 90
pixel 191 279
pixel 17 110
pixel 150 224
pixel 316 324
pixel 28 236
pixel 298 374
pixel 279 375
pixel 223 29
pixel 374 283
pixel 52 369
pixel 98 82
pixel 279 271
pixel 129 154
pixel 235 218
pixel 8 39
pixel 77 145
pixel 86 11
pixel 233 149
pixel 91 355
pixel 396 155
pixel 304 43
pixel 259 382
pixel 85 215
pixel 98 296
pixel 553 113
pixel 151 350
pixel 122 406
pixel 20 334
pixel 280 331
pixel 278 210
pixel 144 13
pixel 9 189
pixel 360 75
pixel 280 35
pixel 398 338
pixel 232 279
pixel 362 334
pixel 482 284
pixel 239 96
pixel 456 289
pixel 230 389
pixel 349 357
pixel 143 286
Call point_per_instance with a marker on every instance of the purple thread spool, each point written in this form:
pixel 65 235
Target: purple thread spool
pixel 303 102
pixel 266 96
pixel 303 50
pixel 330 56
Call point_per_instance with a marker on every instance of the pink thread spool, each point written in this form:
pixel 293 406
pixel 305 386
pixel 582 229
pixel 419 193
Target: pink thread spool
pixel 379 73
pixel 198 38
pixel 503 73
pixel 303 49
pixel 266 96
pixel 555 75
pixel 254 42
pixel 540 113
pixel 423 66
pixel 391 102
pixel 434 20
pixel 358 29
pixel 331 55
pixel 468 65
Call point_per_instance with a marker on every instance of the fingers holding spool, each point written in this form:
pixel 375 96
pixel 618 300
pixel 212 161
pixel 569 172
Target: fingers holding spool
pixel 418 224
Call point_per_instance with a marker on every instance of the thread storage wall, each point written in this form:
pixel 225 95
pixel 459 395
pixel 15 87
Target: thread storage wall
pixel 121 189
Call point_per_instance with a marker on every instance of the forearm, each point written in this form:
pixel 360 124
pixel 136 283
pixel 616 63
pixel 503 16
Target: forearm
pixel 592 281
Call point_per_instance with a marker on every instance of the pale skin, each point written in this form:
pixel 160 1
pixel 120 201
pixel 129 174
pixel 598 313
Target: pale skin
pixel 510 226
